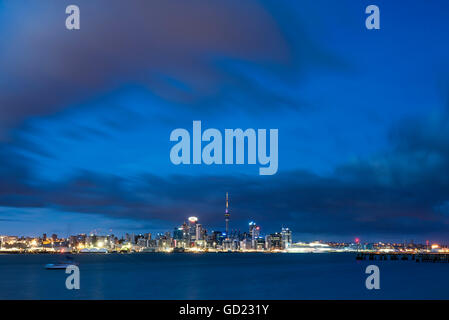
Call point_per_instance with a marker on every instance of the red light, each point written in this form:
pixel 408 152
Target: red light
pixel 357 240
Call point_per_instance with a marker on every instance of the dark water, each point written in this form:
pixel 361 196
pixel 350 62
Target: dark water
pixel 221 276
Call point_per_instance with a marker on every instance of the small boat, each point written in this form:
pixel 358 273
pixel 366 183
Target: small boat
pixel 61 265
pixel 54 266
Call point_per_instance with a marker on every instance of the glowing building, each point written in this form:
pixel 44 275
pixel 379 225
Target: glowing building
pixel 254 231
pixel 286 234
pixel 227 215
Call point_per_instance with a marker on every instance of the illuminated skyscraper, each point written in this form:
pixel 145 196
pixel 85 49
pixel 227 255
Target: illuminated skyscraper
pixel 199 232
pixel 286 238
pixel 193 221
pixel 273 241
pixel 254 231
pixel 227 216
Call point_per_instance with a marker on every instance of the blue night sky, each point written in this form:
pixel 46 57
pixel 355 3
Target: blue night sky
pixel 363 116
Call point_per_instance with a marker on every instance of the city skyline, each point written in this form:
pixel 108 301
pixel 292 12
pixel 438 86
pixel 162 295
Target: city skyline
pixel 224 229
pixel 191 235
pixel 192 219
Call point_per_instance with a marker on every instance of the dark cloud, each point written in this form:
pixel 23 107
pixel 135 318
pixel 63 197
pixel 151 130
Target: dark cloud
pixel 404 190
pixel 188 52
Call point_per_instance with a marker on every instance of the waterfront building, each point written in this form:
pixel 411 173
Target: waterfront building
pixel 217 238
pixel 312 247
pixel 142 242
pixel 227 244
pixel 273 241
pixel 199 232
pixel 260 243
pixel 73 242
pixel 163 243
pixel 185 233
pixel 286 234
pixel 130 238
pixel 152 243
pixel 246 244
pixel 91 240
pixel 178 234
pixel 254 231
pixel 192 230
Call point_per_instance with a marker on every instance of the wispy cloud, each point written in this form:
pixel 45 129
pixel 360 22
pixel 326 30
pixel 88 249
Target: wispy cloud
pixel 184 52
pixel 397 191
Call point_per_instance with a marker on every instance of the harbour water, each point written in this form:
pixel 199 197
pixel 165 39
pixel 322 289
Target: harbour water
pixel 220 276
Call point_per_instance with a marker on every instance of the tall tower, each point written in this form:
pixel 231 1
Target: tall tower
pixel 227 216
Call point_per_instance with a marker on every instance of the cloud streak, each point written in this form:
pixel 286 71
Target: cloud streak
pixel 189 53
pixel 402 190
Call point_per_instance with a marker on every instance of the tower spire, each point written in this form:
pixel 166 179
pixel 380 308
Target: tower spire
pixel 227 216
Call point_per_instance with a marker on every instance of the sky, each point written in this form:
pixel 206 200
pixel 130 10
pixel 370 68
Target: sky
pixel 363 116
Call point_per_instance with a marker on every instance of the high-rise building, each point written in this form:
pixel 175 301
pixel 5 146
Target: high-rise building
pixel 217 238
pixel 227 215
pixel 193 221
pixel 178 234
pixel 260 243
pixel 142 242
pixel 252 225
pixel 286 234
pixel 200 232
pixel 131 238
pixel 254 231
pixel 273 241
pixel 246 244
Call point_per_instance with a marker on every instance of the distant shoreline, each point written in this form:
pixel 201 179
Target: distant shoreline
pixel 161 252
